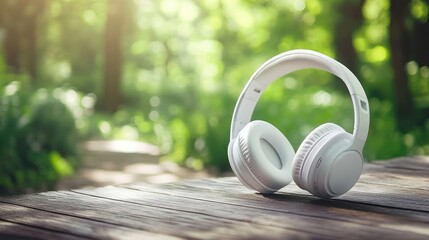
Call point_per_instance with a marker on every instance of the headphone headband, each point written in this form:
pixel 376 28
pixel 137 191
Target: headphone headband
pixel 292 61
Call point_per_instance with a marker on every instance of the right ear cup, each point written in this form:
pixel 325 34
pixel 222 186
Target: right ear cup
pixel 305 147
pixel 262 157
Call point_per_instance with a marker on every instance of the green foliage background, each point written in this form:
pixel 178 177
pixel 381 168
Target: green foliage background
pixel 191 59
pixel 186 61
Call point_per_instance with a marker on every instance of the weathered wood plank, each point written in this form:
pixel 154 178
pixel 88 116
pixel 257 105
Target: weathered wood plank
pixel 309 210
pixel 156 217
pixel 278 209
pixel 10 230
pixel 417 163
pixel 403 172
pixel 230 191
pixel 385 193
pixel 69 225
pixel 391 200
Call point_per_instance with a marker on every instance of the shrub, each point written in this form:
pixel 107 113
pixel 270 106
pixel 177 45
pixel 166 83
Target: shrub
pixel 37 140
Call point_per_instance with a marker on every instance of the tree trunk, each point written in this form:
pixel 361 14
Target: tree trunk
pixel 20 21
pixel 398 45
pixel 420 40
pixel 350 19
pixel 420 53
pixel 12 24
pixel 116 13
pixel 29 35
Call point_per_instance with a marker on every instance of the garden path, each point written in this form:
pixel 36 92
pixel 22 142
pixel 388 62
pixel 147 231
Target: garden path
pixel 116 162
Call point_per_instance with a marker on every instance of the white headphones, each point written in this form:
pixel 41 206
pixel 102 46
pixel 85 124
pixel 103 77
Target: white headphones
pixel 329 161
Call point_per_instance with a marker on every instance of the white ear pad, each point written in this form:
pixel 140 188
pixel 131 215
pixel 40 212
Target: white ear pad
pixel 309 142
pixel 262 157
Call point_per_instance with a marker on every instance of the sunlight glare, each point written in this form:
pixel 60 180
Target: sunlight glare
pixel 322 98
pixel 123 146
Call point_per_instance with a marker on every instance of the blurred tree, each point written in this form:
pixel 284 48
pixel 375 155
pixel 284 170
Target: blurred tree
pixel 344 30
pixel 418 51
pixel 72 44
pixel 20 20
pixel 420 34
pixel 11 11
pixel 399 50
pixel 117 12
pixel 33 13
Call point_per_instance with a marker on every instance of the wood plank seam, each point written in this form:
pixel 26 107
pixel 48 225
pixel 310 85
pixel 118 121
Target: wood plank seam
pixel 299 195
pixel 393 185
pixel 65 214
pixel 148 205
pixel 252 208
pixel 46 229
pixel 297 230
pixel 267 209
pixel 294 194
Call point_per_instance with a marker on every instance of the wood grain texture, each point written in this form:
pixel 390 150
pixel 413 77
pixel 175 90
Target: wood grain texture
pixel 391 200
pixel 9 230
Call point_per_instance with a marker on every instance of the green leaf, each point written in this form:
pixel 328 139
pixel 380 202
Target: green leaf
pixel 61 166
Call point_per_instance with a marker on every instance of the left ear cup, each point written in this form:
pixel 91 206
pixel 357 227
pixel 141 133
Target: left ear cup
pixel 262 157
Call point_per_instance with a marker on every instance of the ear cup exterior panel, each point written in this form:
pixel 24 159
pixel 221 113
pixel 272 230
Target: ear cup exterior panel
pixel 340 171
pixel 266 154
pixel 318 173
pixel 305 147
pixel 344 173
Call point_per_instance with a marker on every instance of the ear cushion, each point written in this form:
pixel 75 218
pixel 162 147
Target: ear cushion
pixel 267 154
pixel 306 146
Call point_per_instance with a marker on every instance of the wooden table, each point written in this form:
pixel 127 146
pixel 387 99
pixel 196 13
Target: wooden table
pixel 390 201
